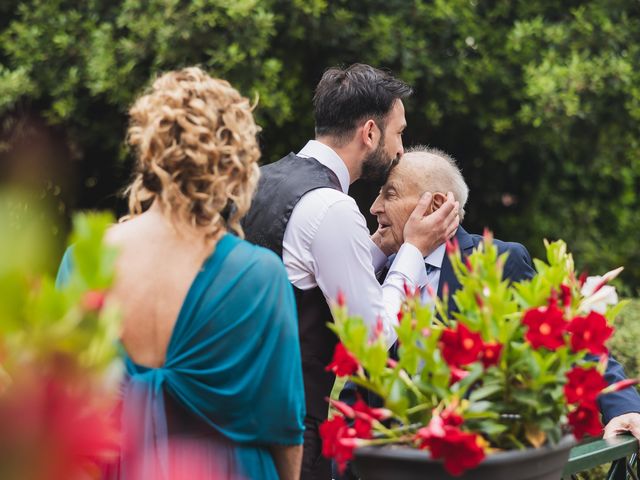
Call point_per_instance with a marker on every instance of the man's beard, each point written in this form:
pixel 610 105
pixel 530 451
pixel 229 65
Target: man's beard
pixel 377 165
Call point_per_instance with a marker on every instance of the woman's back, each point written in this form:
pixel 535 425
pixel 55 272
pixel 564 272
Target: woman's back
pixel 157 264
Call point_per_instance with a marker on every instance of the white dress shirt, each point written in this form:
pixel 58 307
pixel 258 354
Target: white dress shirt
pixel 434 259
pixel 327 244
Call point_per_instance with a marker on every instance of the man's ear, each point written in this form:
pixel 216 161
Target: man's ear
pixel 370 134
pixel 438 199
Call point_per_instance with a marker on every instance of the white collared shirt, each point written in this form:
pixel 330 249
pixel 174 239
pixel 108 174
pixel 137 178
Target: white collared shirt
pixel 434 259
pixel 327 244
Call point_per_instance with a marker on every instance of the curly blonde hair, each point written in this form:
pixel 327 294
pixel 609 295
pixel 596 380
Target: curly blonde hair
pixel 197 151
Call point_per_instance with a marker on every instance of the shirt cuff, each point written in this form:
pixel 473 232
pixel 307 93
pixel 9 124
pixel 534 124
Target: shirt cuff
pixel 410 263
pixel 378 258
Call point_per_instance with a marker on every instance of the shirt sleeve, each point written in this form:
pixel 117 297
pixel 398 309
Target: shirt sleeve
pixel 342 254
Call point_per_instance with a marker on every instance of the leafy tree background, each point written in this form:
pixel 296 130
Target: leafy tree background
pixel 539 100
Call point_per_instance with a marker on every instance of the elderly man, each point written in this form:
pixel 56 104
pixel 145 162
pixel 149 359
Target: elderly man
pixel 429 170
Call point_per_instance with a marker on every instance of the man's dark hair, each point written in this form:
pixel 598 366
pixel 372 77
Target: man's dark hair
pixel 345 96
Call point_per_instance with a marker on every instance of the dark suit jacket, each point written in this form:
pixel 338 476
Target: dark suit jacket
pixel 517 267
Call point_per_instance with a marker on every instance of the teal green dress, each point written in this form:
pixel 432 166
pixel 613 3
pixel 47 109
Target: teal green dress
pixel 232 366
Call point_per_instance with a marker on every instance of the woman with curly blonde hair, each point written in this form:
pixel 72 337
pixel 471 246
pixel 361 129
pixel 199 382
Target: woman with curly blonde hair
pixel 209 322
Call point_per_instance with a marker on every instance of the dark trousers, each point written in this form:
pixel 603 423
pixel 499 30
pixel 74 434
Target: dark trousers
pixel 314 465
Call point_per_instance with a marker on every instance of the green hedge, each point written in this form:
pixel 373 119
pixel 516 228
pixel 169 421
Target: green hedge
pixel 538 99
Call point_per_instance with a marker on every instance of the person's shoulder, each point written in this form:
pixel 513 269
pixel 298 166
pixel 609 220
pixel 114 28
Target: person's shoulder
pixel 327 197
pixel 312 209
pixel 261 261
pixel 517 251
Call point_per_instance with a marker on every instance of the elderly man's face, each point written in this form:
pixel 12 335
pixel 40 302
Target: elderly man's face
pixel 394 204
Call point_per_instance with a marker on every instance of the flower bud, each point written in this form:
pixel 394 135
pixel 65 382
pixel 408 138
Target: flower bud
pixel 340 299
pixel 93 300
pixel 621 385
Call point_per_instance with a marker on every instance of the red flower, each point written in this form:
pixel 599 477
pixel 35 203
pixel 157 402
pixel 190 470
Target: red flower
pixel 457 374
pixel 460 346
pixel 363 415
pixel 64 429
pixel 93 300
pixel 467 263
pixel 584 385
pixel 437 424
pixel 590 333
pixel 490 354
pixel 379 328
pixel 566 295
pixel 340 300
pixel 343 363
pixel 338 441
pixel 453 247
pixel 460 450
pixel 582 278
pixel 546 327
pixel 585 420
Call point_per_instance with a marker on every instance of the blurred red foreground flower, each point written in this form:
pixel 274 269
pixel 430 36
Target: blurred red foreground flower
pixel 590 333
pixel 338 441
pixel 62 430
pixel 460 346
pixel 343 363
pixel 584 385
pixel 546 327
pixel 585 420
pixel 460 450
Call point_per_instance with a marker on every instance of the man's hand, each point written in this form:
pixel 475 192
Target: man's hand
pixel 629 422
pixel 386 243
pixel 428 232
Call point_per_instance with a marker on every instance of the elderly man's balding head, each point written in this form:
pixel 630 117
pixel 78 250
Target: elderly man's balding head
pixel 432 170
pixel 420 170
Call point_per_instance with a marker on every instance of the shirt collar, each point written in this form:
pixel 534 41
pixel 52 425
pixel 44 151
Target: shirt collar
pixel 330 159
pixel 436 257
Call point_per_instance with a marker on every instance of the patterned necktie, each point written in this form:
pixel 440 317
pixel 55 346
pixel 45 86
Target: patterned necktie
pixel 430 268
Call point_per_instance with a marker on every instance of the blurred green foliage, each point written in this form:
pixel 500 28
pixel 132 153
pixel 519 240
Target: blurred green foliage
pixel 39 322
pixel 538 99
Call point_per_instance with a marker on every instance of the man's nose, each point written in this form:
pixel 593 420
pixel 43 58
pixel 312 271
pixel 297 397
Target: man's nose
pixel 376 206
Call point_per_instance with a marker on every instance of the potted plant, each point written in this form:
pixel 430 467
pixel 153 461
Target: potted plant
pixel 497 390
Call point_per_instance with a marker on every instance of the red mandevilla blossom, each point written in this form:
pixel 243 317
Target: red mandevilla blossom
pixel 460 450
pixel 460 346
pixel 335 434
pixel 546 327
pixel 585 420
pixel 590 333
pixel 565 295
pixel 490 354
pixel 584 385
pixel 456 374
pixel 363 415
pixel 343 363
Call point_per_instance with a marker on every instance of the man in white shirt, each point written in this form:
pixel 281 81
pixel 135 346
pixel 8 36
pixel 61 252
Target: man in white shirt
pixel 302 212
